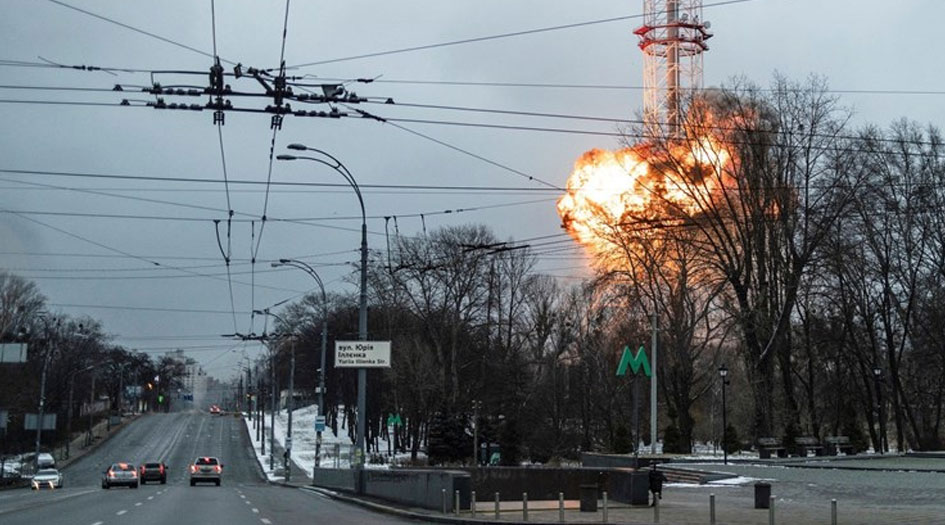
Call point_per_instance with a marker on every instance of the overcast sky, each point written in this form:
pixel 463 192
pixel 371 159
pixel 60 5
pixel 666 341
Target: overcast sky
pixel 104 266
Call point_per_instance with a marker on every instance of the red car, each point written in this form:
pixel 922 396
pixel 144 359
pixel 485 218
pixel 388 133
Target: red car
pixel 215 410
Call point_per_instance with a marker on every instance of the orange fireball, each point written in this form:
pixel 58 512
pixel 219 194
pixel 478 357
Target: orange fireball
pixel 613 192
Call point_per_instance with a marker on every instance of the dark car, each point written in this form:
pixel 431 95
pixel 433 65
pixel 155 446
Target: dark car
pixel 153 472
pixel 206 469
pixel 120 474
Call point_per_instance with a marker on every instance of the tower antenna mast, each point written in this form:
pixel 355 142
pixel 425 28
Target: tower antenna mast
pixel 672 38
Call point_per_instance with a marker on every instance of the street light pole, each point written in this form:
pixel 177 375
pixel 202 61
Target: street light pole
pixel 42 384
pixel 878 377
pixel 723 373
pixel 362 311
pixel 321 375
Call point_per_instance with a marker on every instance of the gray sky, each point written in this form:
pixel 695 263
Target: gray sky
pixel 857 45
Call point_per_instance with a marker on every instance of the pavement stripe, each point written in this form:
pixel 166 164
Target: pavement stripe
pixel 264 520
pixel 150 497
pixel 120 512
pixel 255 511
pixel 98 523
pixel 138 504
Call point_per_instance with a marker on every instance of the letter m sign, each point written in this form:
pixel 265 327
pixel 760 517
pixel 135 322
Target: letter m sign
pixel 635 362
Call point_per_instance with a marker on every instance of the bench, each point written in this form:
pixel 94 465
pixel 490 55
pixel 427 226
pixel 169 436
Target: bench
pixel 767 445
pixel 837 444
pixel 805 444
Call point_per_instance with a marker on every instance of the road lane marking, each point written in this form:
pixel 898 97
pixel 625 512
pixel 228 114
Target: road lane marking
pixel 255 510
pixel 150 497
pixel 264 520
pixel 98 523
pixel 248 502
pixel 242 496
pixel 120 512
pixel 138 504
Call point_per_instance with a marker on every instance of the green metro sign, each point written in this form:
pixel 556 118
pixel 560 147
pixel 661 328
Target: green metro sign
pixel 635 362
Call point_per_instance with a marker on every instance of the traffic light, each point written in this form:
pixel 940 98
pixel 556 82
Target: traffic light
pixel 160 398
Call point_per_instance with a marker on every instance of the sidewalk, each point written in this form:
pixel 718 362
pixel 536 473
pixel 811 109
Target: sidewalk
pixel 297 476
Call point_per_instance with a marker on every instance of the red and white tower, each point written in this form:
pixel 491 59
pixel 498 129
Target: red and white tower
pixel 672 38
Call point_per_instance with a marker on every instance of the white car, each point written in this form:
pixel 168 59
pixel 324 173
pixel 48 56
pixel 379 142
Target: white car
pixel 47 478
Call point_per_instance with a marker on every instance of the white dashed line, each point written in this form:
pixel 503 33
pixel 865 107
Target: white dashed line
pixel 247 502
pixel 150 497
pixel 242 496
pixel 138 504
pixel 255 511
pixel 264 520
pixel 120 512
pixel 98 523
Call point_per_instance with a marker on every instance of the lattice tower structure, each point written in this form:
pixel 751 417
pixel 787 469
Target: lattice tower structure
pixel 673 37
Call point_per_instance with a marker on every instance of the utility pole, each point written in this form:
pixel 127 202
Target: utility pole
pixel 290 406
pixel 88 438
pixel 653 381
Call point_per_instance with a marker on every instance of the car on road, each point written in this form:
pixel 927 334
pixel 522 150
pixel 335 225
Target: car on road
pixel 45 460
pixel 206 469
pixel 46 478
pixel 153 471
pixel 120 474
pixel 215 410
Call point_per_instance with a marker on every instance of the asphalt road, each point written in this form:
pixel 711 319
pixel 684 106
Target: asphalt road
pixel 244 498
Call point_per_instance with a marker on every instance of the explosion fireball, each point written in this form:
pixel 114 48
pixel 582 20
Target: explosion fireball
pixel 612 191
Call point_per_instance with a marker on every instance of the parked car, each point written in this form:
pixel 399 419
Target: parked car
pixel 153 472
pixel 46 478
pixel 206 469
pixel 120 474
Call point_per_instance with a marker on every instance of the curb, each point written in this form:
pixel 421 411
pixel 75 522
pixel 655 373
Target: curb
pixel 419 516
pixel 63 464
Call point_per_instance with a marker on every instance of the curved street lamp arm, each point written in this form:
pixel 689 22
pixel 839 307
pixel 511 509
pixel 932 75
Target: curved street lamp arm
pixel 343 170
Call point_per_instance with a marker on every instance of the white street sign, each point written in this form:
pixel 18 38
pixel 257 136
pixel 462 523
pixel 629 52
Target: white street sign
pixel 362 354
pixel 319 423
pixel 13 352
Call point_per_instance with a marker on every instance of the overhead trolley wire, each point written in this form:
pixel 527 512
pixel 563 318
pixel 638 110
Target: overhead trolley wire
pixel 494 37
pixel 137 30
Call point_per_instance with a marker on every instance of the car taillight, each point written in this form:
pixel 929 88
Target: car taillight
pixel 162 469
pixel 193 468
pixel 219 469
pixel 134 474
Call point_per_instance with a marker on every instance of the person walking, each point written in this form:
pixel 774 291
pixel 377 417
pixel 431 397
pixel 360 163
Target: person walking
pixel 656 483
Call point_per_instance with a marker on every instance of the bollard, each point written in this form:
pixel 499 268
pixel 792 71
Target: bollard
pixel 472 503
pixel 656 509
pixel 524 506
pixel 561 507
pixel 771 511
pixel 497 506
pixel 711 509
pixel 443 499
pixel 833 512
pixel 605 506
pixel 456 503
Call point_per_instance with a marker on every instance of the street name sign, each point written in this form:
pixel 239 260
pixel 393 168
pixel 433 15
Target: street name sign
pixel 12 352
pixel 319 423
pixel 30 421
pixel 362 354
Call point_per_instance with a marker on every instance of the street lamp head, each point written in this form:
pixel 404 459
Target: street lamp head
pixel 286 157
pixel 284 261
pixel 297 146
pixel 276 264
pixel 877 371
pixel 723 371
